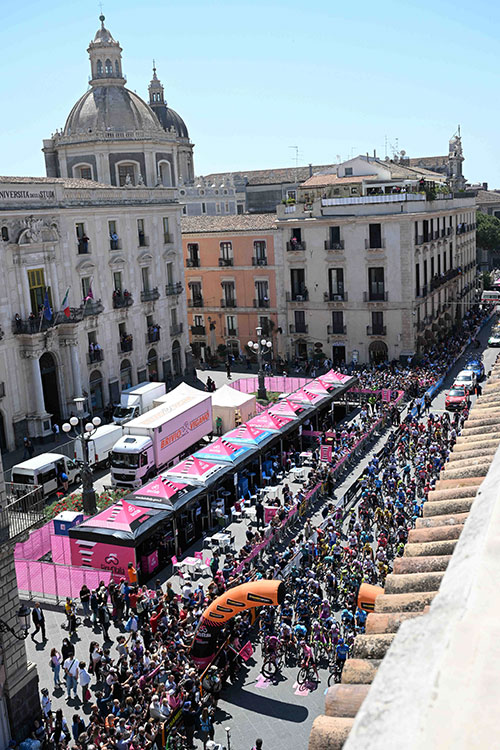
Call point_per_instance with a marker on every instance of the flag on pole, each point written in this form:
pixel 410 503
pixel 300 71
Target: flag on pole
pixel 65 305
pixel 247 651
pixel 47 310
pixel 90 294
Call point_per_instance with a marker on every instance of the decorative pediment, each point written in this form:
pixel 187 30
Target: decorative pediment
pixel 117 261
pixel 85 266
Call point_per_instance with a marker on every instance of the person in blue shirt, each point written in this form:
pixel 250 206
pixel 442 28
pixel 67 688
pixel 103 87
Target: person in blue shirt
pixel 342 652
pixel 361 619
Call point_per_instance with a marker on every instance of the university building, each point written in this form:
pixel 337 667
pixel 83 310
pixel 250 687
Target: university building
pixel 92 292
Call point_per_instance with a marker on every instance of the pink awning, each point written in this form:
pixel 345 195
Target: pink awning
pixel 316 386
pixel 285 408
pixel 303 397
pixel 160 488
pixel 267 421
pixel 335 377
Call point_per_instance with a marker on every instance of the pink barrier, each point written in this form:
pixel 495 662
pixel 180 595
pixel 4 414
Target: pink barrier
pixel 60 547
pixel 37 545
pixel 276 384
pixel 38 578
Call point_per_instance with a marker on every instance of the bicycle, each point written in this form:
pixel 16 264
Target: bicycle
pixel 273 664
pixel 307 674
pixel 335 674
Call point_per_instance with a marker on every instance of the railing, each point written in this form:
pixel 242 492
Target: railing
pixel 334 245
pixel 176 330
pixel 121 300
pixel 149 295
pixel 375 296
pixel 95 356
pixel 192 262
pixel 435 234
pixel 143 240
pixel 374 246
pixel 259 261
pixel 336 330
pixel 23 510
pixel 171 289
pixel 392 198
pixel 261 302
pixel 233 332
pixel 195 302
pixel 126 344
pixel 228 302
pixel 376 330
pixel 299 329
pixel 38 325
pixel 335 297
pixel 83 247
pixel 290 209
pixel 291 246
pixel 198 330
pixel 153 335
pixel 296 297
pixel 226 261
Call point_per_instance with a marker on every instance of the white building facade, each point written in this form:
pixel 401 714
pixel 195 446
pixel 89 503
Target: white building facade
pixel 380 273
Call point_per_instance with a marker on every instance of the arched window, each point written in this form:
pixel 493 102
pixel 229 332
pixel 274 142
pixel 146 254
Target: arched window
pixel 117 68
pixel 165 174
pixel 152 365
pixel 95 387
pixel 99 68
pixel 125 374
pixel 109 68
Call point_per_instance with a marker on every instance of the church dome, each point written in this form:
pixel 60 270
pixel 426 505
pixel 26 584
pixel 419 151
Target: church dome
pixel 111 108
pixel 170 119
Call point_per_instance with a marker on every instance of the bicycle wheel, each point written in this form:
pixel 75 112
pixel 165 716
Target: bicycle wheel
pixel 312 675
pixel 269 668
pixel 320 653
pixel 302 676
pixel 331 678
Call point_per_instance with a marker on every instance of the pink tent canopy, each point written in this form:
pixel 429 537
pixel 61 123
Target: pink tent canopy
pixel 194 469
pixel 335 377
pixel 303 397
pixel 285 408
pixel 267 421
pixel 122 516
pixel 317 386
pixel 245 432
pixel 160 488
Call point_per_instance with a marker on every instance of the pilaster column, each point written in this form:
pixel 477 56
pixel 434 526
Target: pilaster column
pixel 36 383
pixel 75 370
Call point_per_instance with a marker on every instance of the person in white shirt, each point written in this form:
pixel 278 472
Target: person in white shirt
pixel 84 679
pixel 71 675
pixel 46 702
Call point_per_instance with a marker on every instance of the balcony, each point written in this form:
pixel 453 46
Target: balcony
pixel 143 240
pixel 380 245
pixel 443 232
pixel 261 302
pixel 82 245
pixel 228 302
pixel 196 301
pixel 435 234
pixel 122 300
pixel 192 262
pixel 167 238
pixel 299 329
pixel 419 239
pixel 259 261
pixel 226 261
pixel 448 231
pixel 97 355
pixel 375 296
pixel 126 343
pixel 293 246
pixel 176 329
pixel 334 245
pixel 115 244
pixel 35 324
pixel 150 295
pixel 153 334
pixel 376 330
pixel 336 330
pixel 171 289
pixel 198 330
pixel 302 296
pixel 335 296
pixel 21 510
pixel 233 332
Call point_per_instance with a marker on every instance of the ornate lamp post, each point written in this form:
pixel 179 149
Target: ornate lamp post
pixel 88 492
pixel 24 619
pixel 260 346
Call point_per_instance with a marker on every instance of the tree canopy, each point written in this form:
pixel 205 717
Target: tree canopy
pixel 488 231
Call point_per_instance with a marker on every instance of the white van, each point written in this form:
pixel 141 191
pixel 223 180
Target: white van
pixel 491 296
pixel 100 444
pixel 45 470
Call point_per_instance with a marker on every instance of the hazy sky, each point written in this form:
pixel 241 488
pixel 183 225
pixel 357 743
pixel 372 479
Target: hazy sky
pixel 252 79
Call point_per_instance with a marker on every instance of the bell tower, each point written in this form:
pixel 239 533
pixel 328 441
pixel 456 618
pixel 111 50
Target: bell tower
pixel 105 59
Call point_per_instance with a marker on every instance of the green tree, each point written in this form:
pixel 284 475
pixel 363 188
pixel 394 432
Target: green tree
pixel 488 232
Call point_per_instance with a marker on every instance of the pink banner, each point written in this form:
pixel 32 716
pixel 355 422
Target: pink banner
pixel 326 453
pixel 100 556
pixel 37 578
pixel 269 512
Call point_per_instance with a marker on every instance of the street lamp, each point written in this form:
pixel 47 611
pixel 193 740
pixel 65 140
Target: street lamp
pixel 86 432
pixel 24 619
pixel 260 346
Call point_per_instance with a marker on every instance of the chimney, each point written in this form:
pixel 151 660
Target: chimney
pixel 374 153
pixel 485 186
pixel 310 170
pixel 367 156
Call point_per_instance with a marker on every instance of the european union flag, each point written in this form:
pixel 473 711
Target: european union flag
pixel 47 312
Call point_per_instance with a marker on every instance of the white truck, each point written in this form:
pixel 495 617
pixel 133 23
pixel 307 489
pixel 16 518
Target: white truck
pixel 157 439
pixel 137 400
pixel 100 444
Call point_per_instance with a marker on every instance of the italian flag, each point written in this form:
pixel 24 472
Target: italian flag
pixel 65 306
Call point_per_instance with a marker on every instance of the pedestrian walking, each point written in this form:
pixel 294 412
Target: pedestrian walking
pixel 38 621
pixel 104 620
pixel 28 448
pixel 259 513
pixel 70 667
pixel 85 600
pixel 84 679
pixel 55 664
pixel 55 432
pixel 228 369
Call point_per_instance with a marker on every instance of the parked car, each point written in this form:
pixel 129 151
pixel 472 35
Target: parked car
pixel 494 339
pixel 456 399
pixel 465 378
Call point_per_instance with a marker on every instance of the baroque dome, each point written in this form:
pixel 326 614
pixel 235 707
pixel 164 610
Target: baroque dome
pixel 111 108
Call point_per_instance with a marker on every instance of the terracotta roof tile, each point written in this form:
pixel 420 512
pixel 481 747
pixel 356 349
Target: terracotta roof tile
pixel 236 223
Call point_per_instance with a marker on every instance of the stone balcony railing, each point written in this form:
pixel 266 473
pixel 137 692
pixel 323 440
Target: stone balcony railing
pixel 22 511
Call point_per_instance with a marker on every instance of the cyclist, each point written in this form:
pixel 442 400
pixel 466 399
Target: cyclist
pixel 342 652
pixel 361 619
pixel 300 631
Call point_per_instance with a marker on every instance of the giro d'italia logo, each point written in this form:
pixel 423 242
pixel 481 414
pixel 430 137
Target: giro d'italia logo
pixel 112 559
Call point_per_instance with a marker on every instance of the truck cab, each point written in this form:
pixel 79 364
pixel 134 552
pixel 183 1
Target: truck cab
pixel 127 410
pixel 132 461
